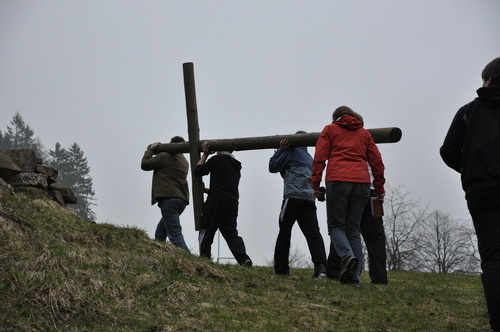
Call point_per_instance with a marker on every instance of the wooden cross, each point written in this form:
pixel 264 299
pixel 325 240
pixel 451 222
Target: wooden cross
pixel 193 146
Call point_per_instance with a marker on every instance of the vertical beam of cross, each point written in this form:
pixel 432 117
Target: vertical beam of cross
pixel 194 139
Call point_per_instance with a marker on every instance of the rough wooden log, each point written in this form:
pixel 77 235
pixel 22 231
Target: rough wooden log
pixel 380 135
pixel 194 141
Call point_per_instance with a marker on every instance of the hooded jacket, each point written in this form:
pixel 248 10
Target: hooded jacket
pixel 225 173
pixel 349 149
pixel 169 175
pixel 471 146
pixel 295 167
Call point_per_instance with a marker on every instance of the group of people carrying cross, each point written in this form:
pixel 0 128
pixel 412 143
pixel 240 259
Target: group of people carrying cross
pixel 350 156
pixel 354 173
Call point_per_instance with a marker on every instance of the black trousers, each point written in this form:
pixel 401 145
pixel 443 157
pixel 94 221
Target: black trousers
pixel 484 207
pixel 304 212
pixel 221 215
pixel 373 233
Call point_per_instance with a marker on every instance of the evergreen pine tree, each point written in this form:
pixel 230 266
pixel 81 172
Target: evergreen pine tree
pixel 74 173
pixel 59 159
pixel 73 168
pixel 4 142
pixel 21 136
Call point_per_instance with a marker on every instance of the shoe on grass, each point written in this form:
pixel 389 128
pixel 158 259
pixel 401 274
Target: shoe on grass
pixel 247 262
pixel 347 271
pixel 320 272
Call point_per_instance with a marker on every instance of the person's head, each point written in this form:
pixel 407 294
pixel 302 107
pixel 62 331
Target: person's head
pixel 300 132
pixel 357 116
pixel 177 139
pixel 342 110
pixel 491 73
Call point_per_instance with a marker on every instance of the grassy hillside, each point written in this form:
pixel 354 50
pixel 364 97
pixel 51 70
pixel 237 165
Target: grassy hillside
pixel 59 273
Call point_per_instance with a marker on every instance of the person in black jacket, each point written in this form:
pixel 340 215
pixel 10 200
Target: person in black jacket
pixel 220 210
pixel 472 148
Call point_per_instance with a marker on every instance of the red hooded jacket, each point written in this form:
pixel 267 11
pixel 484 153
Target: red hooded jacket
pixel 349 149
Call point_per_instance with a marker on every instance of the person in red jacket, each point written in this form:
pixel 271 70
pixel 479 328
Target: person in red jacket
pixel 346 149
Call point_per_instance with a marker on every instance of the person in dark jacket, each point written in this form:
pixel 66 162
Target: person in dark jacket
pixel 295 167
pixel 472 148
pixel 169 190
pixel 348 150
pixel 220 210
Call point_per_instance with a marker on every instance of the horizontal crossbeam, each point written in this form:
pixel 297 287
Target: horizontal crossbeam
pixel 380 135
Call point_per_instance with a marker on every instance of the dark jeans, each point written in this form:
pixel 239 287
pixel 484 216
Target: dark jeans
pixel 170 223
pixel 304 212
pixel 373 233
pixel 484 207
pixel 221 215
pixel 345 202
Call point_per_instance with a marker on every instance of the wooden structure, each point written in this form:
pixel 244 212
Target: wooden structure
pixel 193 146
pixel 380 135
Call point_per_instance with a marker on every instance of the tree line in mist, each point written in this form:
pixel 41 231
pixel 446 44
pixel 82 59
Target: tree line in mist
pixel 74 171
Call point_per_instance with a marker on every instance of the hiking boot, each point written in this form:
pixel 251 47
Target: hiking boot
pixel 247 262
pixel 347 271
pixel 320 272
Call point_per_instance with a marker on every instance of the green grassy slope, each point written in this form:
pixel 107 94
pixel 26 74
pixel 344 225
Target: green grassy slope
pixel 60 273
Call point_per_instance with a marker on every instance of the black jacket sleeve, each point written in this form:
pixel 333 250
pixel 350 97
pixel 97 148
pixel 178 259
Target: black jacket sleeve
pixel 451 150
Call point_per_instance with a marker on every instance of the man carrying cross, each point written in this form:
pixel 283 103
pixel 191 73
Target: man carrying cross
pixel 169 190
pixel 220 210
pixel 295 167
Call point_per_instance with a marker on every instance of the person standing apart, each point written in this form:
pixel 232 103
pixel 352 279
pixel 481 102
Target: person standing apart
pixel 472 148
pixel 346 149
pixel 220 210
pixel 295 167
pixel 169 190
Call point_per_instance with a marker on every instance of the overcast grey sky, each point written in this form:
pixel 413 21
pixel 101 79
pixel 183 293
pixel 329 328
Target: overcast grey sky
pixel 108 76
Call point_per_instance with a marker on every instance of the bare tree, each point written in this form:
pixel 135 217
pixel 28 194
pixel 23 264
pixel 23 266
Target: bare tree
pixel 403 216
pixel 473 261
pixel 445 244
